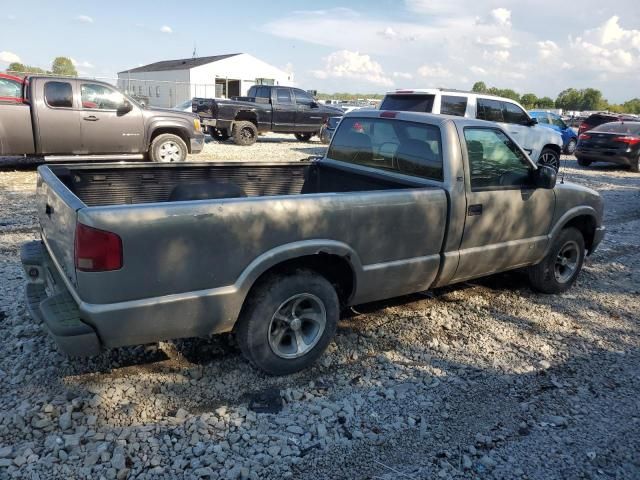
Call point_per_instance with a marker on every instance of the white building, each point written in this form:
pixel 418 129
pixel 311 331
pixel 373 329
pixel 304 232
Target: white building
pixel 171 82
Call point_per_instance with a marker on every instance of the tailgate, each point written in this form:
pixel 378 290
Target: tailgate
pixel 57 211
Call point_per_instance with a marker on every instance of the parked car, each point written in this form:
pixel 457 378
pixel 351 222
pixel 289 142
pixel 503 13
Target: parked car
pixel 612 142
pixel 555 122
pixel 78 119
pixel 541 144
pixel 402 202
pixel 186 106
pixel 265 109
pixel 11 88
pixel 596 119
pixel 328 128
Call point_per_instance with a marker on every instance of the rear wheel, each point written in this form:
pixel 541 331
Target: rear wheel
pixel 218 135
pixel 583 162
pixel 635 165
pixel 560 268
pixel 571 147
pixel 549 157
pixel 288 322
pixel 303 137
pixel 168 147
pixel 244 133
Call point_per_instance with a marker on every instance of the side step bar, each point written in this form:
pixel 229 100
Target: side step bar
pixel 98 158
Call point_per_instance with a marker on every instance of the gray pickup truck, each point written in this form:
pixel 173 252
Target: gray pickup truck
pixel 402 202
pixel 70 119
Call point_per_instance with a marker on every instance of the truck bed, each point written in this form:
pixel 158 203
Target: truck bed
pixel 101 185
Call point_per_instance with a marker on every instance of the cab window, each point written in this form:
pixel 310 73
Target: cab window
pixel 490 110
pixel 558 122
pixel 453 105
pixel 283 95
pixel 495 162
pixel 58 94
pixel 10 88
pixel 514 114
pixel 100 97
pixel 303 98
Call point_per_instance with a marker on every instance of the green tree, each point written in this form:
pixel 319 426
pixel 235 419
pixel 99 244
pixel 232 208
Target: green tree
pixel 529 100
pixel 479 87
pixel 63 66
pixel 592 99
pixel 544 102
pixel 631 106
pixel 570 99
pixel 22 68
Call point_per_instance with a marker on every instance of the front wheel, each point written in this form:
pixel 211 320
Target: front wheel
pixel 550 158
pixel 219 135
pixel 168 147
pixel 560 268
pixel 571 147
pixel 303 137
pixel 288 321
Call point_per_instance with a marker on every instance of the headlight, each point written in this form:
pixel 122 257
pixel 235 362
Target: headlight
pixel 196 123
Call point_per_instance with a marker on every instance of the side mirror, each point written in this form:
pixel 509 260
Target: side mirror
pixel 545 177
pixel 125 108
pixel 314 105
pixel 532 122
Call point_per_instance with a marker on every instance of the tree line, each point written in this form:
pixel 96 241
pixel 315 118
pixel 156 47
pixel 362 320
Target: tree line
pixel 568 99
pixel 60 66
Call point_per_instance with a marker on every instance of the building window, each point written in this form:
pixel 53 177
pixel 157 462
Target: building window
pixel 265 81
pixel 157 91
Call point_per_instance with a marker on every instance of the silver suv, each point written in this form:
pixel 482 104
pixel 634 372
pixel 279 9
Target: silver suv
pixel 542 144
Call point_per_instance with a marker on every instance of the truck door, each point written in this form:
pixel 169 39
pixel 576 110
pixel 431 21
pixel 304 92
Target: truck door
pixel 284 110
pixel 110 123
pixel 57 126
pixel 507 218
pixel 308 115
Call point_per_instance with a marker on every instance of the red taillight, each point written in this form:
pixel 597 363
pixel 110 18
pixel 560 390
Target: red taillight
pixel 388 114
pixel 584 127
pixel 584 136
pixel 628 139
pixel 97 250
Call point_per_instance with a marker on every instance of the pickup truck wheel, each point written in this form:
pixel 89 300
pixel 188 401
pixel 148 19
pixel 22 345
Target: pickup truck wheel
pixel 303 137
pixel 244 133
pixel 168 147
pixel 218 135
pixel 560 268
pixel 288 322
pixel 550 158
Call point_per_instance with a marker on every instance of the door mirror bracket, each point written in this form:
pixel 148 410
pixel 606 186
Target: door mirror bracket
pixel 125 108
pixel 545 177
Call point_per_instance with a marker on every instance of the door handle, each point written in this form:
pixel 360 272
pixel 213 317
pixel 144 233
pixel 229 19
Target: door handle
pixel 474 210
pixel 91 118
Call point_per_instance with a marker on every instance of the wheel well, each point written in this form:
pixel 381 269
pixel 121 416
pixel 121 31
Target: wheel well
pixel 175 131
pixel 245 115
pixel 587 226
pixel 334 268
pixel 555 148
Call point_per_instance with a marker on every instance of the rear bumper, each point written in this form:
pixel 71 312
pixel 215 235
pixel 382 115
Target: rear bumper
pixel 594 156
pixel 49 301
pixel 197 143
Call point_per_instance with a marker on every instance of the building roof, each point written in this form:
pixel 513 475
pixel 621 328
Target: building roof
pixel 180 64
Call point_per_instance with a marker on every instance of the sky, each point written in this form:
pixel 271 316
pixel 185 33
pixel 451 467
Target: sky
pixel 359 46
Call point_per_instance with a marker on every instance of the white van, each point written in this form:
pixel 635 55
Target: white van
pixel 542 144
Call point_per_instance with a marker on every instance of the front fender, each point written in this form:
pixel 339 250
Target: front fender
pixel 565 219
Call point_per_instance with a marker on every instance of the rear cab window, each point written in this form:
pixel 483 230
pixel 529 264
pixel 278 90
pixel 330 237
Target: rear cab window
pixel 283 95
pixel 405 147
pixel 408 103
pixel 58 94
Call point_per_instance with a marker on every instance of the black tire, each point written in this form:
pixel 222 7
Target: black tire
pixel 550 276
pixel 258 328
pixel 168 147
pixel 303 137
pixel 583 162
pixel 549 157
pixel 571 146
pixel 219 135
pixel 244 133
pixel 635 165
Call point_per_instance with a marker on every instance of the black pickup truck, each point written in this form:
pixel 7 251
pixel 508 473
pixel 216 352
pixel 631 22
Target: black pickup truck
pixel 265 109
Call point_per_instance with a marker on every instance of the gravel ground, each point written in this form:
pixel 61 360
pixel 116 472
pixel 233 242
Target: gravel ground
pixel 480 380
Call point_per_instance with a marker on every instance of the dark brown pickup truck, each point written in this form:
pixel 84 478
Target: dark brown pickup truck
pixel 76 119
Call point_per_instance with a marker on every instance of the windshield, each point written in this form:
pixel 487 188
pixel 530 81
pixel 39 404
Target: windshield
pixel 405 147
pixel 184 105
pixel 408 103
pixel 627 128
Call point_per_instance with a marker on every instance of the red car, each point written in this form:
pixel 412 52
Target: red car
pixel 11 88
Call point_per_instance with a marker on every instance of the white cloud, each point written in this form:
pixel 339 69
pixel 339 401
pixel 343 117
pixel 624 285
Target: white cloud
pixel 11 17
pixel 496 56
pixel 402 75
pixel 501 16
pixel 166 29
pixel 547 48
pixel 434 71
pixel 9 57
pixel 388 33
pixel 83 64
pixel 353 65
pixel 477 70
pixel 84 19
pixel 500 41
